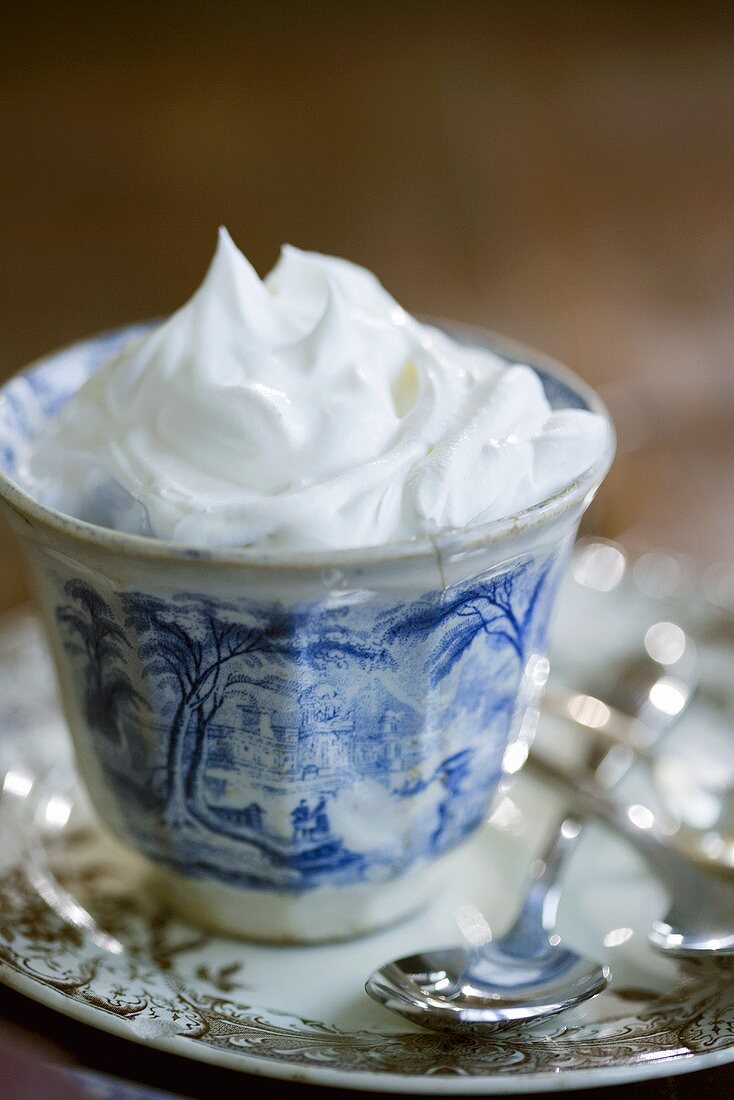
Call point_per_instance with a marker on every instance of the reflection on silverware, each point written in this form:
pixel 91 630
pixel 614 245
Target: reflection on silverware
pixel 526 975
pixel 658 683
pixel 700 921
pixel 696 794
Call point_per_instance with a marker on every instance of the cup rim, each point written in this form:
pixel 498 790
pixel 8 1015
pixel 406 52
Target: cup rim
pixel 446 541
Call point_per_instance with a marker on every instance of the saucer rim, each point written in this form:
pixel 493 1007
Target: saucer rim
pixel 563 1080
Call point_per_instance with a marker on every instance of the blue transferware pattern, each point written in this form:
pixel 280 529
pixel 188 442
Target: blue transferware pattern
pixel 285 748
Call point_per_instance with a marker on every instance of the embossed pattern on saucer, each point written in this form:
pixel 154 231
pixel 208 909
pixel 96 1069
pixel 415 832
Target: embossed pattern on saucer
pixel 78 933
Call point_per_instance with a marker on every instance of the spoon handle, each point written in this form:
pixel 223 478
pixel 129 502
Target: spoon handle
pixel 537 917
pixel 635 822
pixel 604 723
pixel 700 921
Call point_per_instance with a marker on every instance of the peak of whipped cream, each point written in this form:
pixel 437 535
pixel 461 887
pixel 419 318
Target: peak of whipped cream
pixel 302 411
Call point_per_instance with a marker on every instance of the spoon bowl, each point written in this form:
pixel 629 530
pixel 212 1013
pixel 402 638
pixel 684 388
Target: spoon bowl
pixel 469 991
pixel 525 976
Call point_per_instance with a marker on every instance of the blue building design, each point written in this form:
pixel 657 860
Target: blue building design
pixel 287 747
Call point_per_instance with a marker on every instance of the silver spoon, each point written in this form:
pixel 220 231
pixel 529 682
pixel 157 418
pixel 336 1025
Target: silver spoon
pixel 657 684
pixel 700 921
pixel 673 778
pixel 524 976
pixel 652 690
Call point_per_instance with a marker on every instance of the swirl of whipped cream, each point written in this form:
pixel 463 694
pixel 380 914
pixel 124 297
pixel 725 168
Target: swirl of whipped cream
pixel 305 411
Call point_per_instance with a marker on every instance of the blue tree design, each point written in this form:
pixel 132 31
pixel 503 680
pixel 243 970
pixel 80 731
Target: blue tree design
pixel 201 662
pixel 503 607
pixel 90 630
pixel 311 638
pixel 331 691
pixel 320 637
pixel 203 649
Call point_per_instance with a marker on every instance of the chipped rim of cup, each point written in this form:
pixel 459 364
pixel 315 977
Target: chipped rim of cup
pixel 447 541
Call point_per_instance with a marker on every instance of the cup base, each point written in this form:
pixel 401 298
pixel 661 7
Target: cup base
pixel 317 916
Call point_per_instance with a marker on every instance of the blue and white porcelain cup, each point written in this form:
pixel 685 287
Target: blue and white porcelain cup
pixel 297 742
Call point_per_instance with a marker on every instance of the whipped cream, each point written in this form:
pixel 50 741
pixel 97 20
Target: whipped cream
pixel 306 410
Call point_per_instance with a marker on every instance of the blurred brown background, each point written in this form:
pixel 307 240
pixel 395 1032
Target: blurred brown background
pixel 560 172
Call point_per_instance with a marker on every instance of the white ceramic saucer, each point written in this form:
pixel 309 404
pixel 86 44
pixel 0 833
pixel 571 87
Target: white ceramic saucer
pixel 76 932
